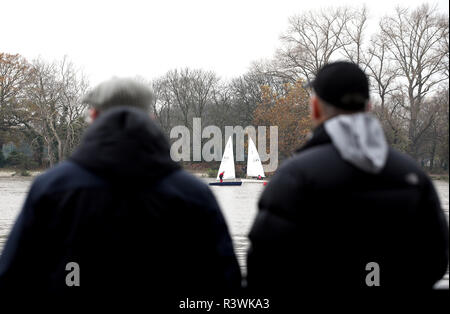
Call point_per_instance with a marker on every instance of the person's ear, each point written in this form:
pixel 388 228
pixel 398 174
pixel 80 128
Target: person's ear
pixel 316 111
pixel 93 114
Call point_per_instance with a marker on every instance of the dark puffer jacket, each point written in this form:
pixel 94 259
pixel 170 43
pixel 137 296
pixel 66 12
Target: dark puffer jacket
pixel 321 220
pixel 128 215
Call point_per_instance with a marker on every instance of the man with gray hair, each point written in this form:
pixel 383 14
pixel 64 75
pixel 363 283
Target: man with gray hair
pixel 122 213
pixel 119 92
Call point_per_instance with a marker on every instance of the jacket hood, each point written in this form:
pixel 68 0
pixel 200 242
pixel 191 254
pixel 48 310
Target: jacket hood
pixel 125 143
pixel 360 140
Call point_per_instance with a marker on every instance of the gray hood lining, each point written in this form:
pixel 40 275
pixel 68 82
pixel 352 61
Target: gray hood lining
pixel 360 140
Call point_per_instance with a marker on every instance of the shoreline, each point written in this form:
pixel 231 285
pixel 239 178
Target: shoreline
pixel 201 172
pixel 11 173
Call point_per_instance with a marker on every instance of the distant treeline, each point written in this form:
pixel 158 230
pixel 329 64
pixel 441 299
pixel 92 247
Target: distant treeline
pixel 407 59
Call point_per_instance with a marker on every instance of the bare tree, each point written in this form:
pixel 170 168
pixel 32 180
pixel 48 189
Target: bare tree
pixel 246 91
pixel 54 102
pixel 73 85
pixel 43 98
pixel 414 42
pixel 203 85
pixel 434 143
pixel 222 112
pixel 191 91
pixel 180 86
pixel 380 68
pixel 312 39
pixel 14 77
pixel 352 39
pixel 163 102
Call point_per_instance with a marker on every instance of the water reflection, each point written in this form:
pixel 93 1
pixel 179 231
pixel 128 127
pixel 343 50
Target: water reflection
pixel 239 206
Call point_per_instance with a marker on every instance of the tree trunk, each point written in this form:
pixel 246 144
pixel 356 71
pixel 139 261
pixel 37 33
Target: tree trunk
pixel 50 156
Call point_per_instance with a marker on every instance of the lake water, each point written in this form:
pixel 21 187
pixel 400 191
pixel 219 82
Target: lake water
pixel 239 205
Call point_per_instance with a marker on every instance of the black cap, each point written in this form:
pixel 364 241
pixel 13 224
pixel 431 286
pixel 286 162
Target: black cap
pixel 343 85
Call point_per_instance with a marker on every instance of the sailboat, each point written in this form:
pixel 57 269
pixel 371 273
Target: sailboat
pixel 254 165
pixel 227 167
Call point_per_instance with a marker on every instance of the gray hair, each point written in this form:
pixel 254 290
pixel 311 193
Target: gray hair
pixel 119 92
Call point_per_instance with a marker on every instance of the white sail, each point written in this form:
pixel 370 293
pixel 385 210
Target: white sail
pixel 254 166
pixel 227 163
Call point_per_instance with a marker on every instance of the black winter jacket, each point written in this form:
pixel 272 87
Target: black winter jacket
pixel 321 220
pixel 136 223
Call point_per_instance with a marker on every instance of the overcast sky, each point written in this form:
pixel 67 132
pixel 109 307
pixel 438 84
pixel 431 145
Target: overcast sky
pixel 147 38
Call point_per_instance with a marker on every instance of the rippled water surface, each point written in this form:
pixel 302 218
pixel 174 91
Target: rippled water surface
pixel 239 205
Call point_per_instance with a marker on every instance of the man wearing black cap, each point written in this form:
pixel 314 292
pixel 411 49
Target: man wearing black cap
pixel 347 211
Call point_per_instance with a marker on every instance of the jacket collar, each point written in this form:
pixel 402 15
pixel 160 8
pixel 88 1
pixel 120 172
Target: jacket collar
pixel 123 145
pixel 317 137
